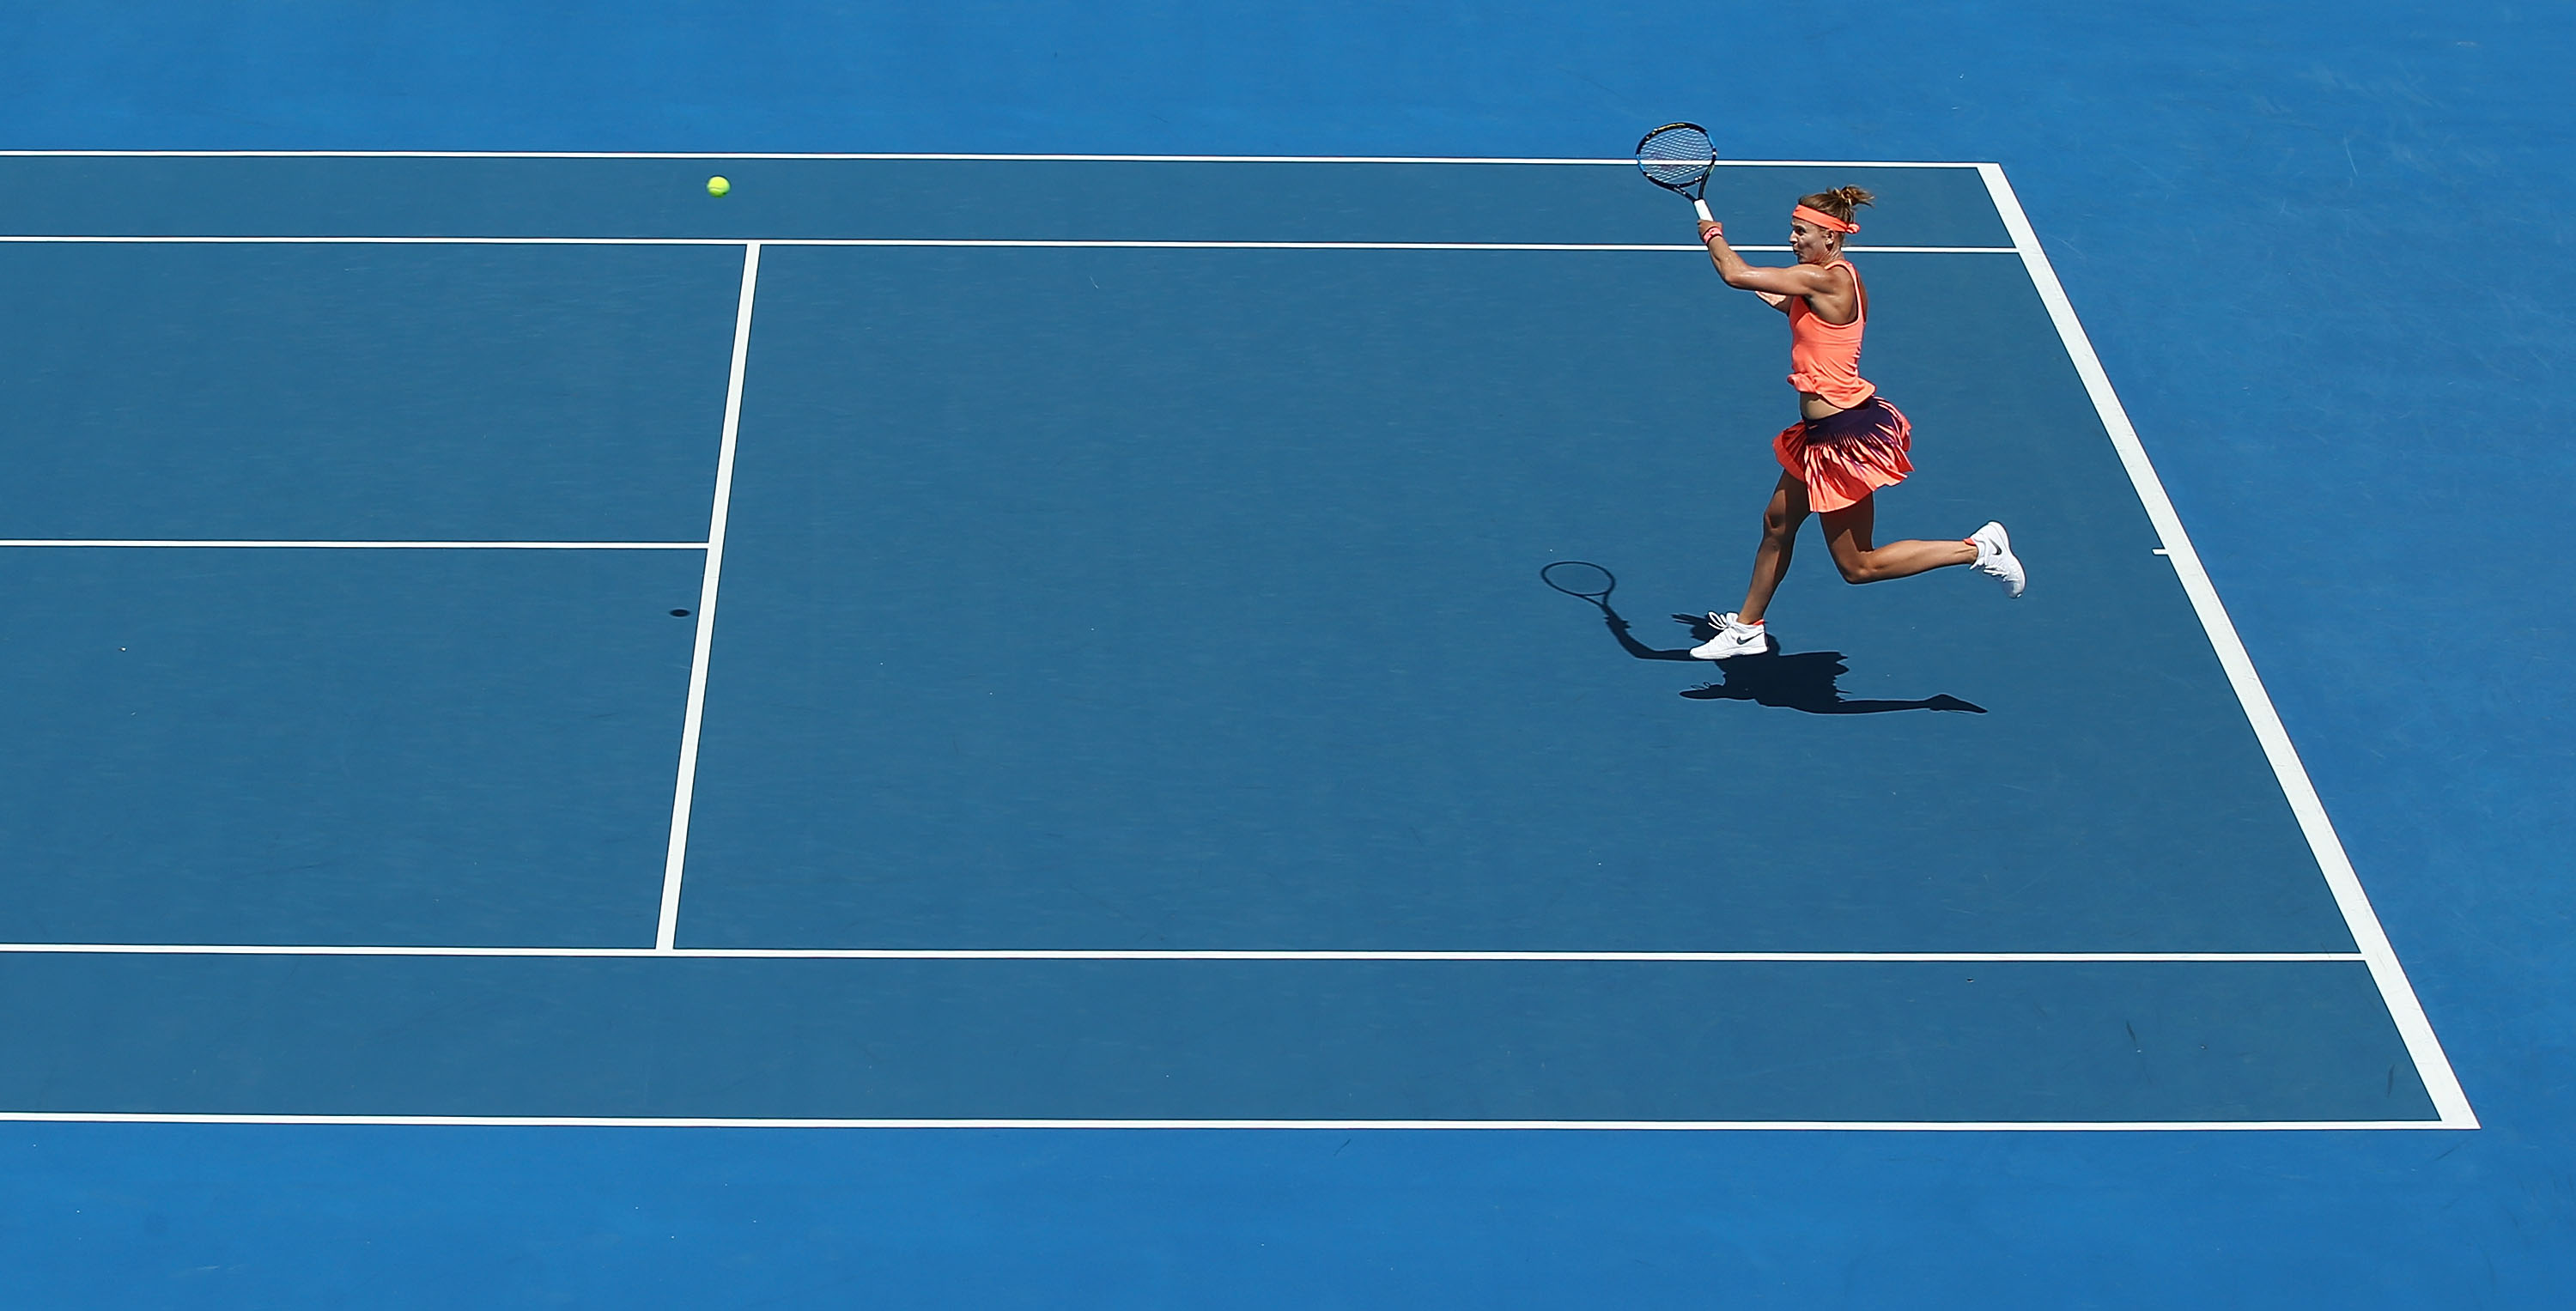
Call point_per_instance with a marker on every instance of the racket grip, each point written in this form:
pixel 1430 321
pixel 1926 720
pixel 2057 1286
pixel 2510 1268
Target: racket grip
pixel 1704 215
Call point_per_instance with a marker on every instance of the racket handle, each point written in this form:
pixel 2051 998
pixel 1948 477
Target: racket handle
pixel 1704 215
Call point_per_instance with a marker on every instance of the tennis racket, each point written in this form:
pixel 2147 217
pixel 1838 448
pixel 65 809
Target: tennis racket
pixel 1581 578
pixel 1677 157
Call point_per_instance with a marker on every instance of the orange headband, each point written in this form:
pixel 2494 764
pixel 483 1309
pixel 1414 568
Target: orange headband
pixel 1824 220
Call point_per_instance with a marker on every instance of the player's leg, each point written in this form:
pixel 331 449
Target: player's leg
pixel 1781 520
pixel 1847 535
pixel 1742 633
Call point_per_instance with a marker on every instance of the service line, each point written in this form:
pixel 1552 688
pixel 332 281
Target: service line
pixel 1034 243
pixel 667 951
pixel 212 543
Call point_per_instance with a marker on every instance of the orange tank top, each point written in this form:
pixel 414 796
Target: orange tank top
pixel 1824 358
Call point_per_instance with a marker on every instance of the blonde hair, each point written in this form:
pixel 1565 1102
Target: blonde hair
pixel 1841 202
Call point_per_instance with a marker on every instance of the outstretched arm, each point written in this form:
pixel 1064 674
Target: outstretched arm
pixel 1775 286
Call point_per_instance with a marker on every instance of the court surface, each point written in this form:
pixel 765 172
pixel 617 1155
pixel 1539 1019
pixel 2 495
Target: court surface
pixel 513 639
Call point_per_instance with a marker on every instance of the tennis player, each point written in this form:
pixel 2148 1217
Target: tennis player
pixel 1848 441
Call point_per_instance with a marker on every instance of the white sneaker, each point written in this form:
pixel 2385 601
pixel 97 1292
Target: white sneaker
pixel 1733 639
pixel 1995 558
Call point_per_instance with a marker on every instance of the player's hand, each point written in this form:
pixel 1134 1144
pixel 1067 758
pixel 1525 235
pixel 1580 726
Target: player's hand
pixel 1708 229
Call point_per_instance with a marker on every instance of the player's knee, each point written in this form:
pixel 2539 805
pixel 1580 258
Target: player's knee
pixel 1856 572
pixel 1777 525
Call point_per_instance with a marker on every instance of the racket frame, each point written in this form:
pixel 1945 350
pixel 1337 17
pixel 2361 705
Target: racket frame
pixel 1694 190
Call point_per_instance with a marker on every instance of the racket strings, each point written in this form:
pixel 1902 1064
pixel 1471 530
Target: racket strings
pixel 1677 155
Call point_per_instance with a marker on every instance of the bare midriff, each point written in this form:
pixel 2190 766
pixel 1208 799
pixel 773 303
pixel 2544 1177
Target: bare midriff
pixel 1813 406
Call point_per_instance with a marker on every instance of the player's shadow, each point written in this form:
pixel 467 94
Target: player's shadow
pixel 1802 680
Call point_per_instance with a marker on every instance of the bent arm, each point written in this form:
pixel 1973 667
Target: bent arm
pixel 1775 286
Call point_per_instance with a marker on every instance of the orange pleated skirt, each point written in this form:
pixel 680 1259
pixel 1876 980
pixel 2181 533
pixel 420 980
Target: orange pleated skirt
pixel 1845 456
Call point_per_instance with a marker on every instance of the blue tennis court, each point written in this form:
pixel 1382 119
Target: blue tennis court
pixel 542 646
pixel 976 722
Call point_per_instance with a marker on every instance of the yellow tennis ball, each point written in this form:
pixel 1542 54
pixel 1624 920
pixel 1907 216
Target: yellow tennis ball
pixel 718 186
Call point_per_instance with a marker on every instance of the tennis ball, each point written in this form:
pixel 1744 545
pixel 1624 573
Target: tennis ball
pixel 718 186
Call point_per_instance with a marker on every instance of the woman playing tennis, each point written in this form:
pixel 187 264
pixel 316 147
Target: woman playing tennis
pixel 1848 441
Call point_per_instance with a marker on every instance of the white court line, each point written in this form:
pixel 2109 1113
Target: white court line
pixel 666 952
pixel 667 926
pixel 2449 1102
pixel 242 544
pixel 1625 161
pixel 1590 1126
pixel 998 242
pixel 2431 1064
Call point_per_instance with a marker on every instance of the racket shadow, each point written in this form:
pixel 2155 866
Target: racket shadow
pixel 1804 681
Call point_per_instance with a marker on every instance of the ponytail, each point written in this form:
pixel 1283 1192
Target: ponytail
pixel 1841 202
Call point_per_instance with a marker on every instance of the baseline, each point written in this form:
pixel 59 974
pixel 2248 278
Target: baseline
pixel 1617 1126
pixel 863 155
